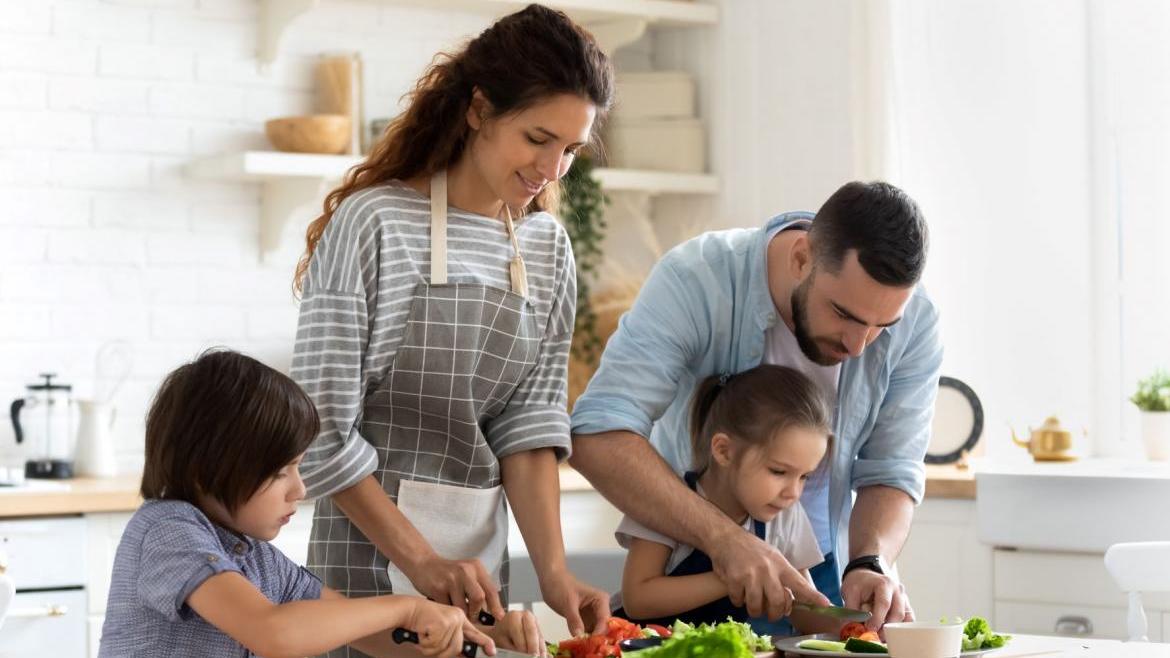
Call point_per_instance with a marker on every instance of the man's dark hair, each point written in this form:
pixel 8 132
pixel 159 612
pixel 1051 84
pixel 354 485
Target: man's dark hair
pixel 223 425
pixel 882 223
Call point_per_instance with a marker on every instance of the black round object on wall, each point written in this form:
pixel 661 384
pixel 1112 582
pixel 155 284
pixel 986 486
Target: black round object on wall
pixel 957 424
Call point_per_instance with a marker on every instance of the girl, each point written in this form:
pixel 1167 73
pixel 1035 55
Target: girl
pixel 756 437
pixel 438 295
pixel 194 574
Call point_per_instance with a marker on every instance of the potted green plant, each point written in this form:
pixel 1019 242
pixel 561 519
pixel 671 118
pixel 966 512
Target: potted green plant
pixel 1153 398
pixel 583 214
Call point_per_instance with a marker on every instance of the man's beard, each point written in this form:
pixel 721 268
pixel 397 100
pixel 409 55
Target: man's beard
pixel 799 301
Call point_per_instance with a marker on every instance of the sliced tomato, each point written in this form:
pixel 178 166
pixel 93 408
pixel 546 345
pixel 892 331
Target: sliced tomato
pixel 661 630
pixel 852 629
pixel 617 629
pixel 869 636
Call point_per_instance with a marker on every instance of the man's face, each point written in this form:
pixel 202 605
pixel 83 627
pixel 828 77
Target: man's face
pixel 836 316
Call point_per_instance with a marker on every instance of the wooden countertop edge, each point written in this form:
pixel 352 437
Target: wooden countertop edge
pixel 120 494
pixel 84 496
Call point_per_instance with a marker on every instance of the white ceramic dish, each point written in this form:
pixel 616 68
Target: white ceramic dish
pixel 788 645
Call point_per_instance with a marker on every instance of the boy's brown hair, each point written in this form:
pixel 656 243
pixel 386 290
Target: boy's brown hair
pixel 223 425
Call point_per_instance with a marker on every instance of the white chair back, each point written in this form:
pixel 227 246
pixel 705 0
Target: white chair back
pixel 1139 567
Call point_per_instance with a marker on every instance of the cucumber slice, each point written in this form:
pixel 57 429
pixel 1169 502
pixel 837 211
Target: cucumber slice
pixel 821 645
pixel 854 645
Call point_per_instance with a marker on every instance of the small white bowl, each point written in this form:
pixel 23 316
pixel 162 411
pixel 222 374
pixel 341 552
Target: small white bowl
pixel 924 639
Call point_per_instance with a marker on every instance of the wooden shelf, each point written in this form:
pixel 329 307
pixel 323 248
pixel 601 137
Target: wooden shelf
pixel 614 23
pixel 293 182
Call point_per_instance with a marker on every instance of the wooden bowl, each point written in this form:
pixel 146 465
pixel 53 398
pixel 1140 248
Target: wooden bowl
pixel 317 133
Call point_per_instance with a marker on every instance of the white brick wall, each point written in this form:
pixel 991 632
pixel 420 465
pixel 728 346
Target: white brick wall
pixel 102 235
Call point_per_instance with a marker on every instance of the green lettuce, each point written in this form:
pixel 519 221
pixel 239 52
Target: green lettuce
pixel 705 641
pixel 977 634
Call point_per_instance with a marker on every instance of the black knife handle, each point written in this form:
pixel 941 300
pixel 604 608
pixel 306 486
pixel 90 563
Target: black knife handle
pixel 486 618
pixel 402 635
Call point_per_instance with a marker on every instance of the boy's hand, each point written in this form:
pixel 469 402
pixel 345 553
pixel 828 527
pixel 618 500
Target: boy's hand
pixel 518 631
pixel 442 628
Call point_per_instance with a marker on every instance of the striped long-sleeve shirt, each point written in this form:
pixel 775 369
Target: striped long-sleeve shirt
pixel 358 293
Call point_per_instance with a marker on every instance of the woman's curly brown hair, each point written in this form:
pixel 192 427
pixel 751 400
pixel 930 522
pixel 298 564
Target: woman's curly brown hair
pixel 521 59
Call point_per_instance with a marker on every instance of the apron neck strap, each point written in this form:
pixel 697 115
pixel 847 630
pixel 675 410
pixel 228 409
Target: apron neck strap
pixel 439 228
pixel 517 270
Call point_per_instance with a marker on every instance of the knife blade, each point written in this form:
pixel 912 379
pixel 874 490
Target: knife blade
pixel 470 649
pixel 836 612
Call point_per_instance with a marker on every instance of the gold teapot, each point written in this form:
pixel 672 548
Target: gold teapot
pixel 1048 443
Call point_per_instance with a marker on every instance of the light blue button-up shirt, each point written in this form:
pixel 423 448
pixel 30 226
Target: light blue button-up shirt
pixel 704 310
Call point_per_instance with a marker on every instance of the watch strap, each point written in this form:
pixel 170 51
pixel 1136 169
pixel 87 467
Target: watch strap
pixel 870 562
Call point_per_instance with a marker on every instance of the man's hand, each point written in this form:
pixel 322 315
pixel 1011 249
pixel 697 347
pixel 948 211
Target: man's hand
pixel 881 595
pixel 758 576
pixel 583 606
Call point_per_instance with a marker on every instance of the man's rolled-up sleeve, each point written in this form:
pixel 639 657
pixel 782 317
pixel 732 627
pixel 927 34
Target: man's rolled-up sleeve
pixel 645 358
pixel 893 454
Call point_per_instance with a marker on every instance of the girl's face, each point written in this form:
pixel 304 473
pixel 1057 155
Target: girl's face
pixel 517 154
pixel 268 510
pixel 770 477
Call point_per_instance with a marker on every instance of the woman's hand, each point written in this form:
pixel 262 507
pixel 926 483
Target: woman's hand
pixel 517 630
pixel 465 584
pixel 442 628
pixel 580 604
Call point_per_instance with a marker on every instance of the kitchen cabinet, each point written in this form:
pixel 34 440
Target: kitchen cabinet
pixel 46 560
pixel 945 569
pixel 1035 591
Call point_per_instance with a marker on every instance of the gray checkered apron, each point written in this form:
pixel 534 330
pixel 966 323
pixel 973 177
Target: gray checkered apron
pixel 465 350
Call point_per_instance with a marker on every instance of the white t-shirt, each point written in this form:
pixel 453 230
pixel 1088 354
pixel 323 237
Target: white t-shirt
pixel 790 532
pixel 782 349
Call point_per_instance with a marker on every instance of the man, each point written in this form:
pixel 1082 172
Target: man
pixel 835 296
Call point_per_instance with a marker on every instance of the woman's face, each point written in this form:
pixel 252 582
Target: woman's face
pixel 518 154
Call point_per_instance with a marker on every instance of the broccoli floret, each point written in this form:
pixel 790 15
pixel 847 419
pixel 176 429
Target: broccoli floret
pixel 975 626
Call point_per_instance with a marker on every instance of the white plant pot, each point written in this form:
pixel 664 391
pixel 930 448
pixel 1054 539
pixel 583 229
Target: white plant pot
pixel 1156 434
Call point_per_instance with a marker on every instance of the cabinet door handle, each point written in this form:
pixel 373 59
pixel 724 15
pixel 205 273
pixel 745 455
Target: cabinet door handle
pixel 51 610
pixel 1073 625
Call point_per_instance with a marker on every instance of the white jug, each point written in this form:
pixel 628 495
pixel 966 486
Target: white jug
pixel 95 440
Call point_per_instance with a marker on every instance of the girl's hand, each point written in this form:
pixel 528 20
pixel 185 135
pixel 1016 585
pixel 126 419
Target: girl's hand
pixel 442 628
pixel 518 631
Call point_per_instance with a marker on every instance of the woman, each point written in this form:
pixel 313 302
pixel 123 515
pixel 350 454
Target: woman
pixel 438 297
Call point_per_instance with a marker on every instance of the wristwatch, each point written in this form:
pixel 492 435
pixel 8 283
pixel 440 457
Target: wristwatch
pixel 874 563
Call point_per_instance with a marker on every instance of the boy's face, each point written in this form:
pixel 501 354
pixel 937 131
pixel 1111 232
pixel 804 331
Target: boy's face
pixel 269 509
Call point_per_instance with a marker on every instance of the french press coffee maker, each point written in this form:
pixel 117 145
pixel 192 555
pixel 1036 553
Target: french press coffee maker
pixel 43 420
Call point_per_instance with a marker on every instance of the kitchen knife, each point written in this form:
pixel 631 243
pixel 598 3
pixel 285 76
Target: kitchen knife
pixel 836 612
pixel 470 649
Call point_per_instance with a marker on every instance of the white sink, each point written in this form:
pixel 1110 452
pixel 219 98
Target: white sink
pixel 1077 506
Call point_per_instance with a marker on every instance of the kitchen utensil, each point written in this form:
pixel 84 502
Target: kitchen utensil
pixel 787 646
pixel 923 639
pixel 96 456
pixel 339 91
pixel 957 423
pixel 836 612
pixel 112 366
pixel 639 643
pixel 470 649
pixel 44 421
pixel 1048 443
pixel 316 133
